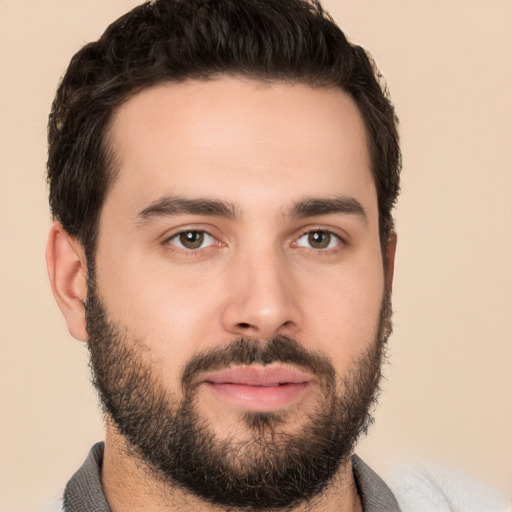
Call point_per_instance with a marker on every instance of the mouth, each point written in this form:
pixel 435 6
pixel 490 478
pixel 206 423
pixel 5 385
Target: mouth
pixel 259 388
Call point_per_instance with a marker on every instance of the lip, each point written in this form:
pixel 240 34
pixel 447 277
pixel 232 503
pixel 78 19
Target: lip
pixel 259 388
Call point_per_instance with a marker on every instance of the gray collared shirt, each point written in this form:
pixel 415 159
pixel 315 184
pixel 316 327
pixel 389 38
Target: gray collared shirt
pixel 84 492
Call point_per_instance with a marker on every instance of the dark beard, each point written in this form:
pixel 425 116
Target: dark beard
pixel 274 470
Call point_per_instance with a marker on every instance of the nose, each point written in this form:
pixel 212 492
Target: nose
pixel 262 301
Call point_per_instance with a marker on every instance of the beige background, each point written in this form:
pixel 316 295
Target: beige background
pixel 447 397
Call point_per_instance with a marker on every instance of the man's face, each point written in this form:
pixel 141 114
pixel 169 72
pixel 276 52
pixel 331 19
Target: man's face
pixel 243 225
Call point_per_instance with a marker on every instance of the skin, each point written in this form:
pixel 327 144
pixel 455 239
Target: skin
pixel 262 148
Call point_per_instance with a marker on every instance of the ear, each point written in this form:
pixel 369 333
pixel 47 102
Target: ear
pixel 67 270
pixel 390 260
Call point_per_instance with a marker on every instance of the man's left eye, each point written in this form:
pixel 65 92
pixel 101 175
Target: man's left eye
pixel 191 240
pixel 319 239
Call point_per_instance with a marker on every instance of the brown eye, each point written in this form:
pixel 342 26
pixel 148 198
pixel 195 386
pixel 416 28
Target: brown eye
pixel 192 240
pixel 319 239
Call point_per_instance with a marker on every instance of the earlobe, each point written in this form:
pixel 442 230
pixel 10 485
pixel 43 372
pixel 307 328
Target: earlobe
pixel 67 271
pixel 390 259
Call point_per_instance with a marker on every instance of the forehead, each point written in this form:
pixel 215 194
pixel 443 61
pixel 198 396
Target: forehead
pixel 238 140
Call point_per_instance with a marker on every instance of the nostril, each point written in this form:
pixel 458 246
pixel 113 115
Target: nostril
pixel 244 325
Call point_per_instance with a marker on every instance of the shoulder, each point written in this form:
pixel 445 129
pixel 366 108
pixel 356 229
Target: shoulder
pixel 51 504
pixel 438 489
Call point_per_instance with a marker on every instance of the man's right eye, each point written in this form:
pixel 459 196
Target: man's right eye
pixel 191 240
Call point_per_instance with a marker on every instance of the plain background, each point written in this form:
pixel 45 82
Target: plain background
pixel 447 394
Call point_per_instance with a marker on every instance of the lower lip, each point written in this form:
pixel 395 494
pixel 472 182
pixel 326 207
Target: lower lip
pixel 260 398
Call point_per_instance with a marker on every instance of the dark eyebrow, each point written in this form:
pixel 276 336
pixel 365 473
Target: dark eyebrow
pixel 169 206
pixel 312 207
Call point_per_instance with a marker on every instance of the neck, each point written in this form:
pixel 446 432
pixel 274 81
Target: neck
pixel 131 485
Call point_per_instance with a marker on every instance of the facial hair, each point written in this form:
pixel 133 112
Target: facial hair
pixel 271 470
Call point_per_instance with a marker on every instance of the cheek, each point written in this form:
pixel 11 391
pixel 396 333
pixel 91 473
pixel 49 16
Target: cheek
pixel 171 312
pixel 343 315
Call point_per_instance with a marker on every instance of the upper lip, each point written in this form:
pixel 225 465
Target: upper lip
pixel 258 375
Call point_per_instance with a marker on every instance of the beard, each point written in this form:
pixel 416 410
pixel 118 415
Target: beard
pixel 268 469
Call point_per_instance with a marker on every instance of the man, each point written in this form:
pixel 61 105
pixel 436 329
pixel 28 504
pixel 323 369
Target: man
pixel 222 176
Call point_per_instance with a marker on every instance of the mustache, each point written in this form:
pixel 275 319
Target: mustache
pixel 248 351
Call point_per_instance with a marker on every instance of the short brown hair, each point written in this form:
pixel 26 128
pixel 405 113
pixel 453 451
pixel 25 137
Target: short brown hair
pixel 176 40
